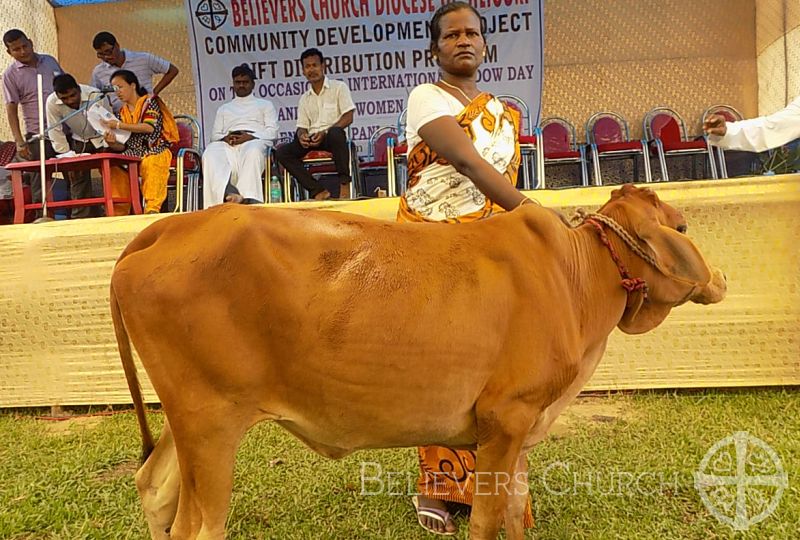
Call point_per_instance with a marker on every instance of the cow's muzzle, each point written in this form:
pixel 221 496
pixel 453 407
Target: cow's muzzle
pixel 714 291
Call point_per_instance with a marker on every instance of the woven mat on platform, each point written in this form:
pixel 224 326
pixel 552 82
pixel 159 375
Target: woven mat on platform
pixel 57 344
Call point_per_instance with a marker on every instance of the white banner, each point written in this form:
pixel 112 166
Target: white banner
pixel 378 47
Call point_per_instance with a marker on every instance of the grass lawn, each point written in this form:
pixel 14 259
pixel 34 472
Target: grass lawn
pixel 619 466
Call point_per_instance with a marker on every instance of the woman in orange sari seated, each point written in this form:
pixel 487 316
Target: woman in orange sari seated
pixel 463 158
pixel 152 131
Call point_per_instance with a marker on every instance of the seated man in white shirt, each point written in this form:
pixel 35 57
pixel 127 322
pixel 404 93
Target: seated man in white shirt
pixel 323 113
pixel 757 134
pixel 243 129
pixel 67 97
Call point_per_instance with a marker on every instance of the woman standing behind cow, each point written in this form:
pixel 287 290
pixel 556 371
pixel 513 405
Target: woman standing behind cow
pixel 463 158
pixel 153 130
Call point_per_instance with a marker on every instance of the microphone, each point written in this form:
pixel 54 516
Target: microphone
pixel 109 89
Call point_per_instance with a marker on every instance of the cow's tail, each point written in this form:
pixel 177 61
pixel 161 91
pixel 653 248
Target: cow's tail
pixel 126 355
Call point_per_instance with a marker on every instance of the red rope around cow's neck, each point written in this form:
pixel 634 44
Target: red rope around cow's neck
pixel 628 283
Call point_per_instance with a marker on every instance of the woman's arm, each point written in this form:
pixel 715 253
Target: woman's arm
pixel 133 128
pixel 447 138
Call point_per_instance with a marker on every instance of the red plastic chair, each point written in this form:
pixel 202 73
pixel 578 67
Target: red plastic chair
pixel 560 145
pixel 608 137
pixel 731 115
pixel 8 150
pixel 186 160
pixel 666 132
pixel 377 148
pixel 378 154
pixel 396 155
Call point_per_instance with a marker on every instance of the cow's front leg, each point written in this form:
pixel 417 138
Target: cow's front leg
pixel 158 482
pixel 519 489
pixel 501 438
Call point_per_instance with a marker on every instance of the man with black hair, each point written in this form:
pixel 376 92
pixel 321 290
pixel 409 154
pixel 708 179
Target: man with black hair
pixel 243 129
pixel 323 113
pixel 80 136
pixel 20 89
pixel 143 64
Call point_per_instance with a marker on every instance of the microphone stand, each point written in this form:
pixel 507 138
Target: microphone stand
pixel 45 218
pixel 42 136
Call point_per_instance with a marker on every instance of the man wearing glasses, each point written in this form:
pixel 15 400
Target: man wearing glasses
pixel 143 64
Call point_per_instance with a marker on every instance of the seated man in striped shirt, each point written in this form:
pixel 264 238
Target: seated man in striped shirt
pixel 143 64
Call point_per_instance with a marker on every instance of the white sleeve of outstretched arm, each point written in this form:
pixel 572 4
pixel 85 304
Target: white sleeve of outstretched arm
pixel 763 133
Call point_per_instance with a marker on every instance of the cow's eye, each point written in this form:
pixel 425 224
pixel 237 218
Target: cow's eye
pixel 682 229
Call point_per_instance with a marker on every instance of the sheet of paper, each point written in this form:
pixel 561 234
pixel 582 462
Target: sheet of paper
pixel 70 153
pixel 96 113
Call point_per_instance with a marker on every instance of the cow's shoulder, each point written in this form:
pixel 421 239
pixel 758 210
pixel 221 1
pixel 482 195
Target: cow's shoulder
pixel 533 229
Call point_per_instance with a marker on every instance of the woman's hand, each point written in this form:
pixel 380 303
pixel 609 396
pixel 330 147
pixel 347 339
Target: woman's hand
pixel 110 123
pixel 109 137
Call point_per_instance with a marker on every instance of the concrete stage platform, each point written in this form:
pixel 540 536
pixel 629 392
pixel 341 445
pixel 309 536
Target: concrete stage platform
pixel 57 344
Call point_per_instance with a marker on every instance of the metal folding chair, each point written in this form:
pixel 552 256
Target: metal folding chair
pixel 608 137
pixel 731 115
pixel 665 130
pixel 559 142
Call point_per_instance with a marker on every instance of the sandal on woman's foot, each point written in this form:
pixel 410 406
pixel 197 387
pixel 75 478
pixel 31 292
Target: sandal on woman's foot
pixel 442 516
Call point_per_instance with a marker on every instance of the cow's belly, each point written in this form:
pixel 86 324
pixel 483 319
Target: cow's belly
pixel 365 411
pixel 360 398
pixel 365 423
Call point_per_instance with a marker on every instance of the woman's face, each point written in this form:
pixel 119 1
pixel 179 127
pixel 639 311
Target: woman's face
pixel 460 46
pixel 126 92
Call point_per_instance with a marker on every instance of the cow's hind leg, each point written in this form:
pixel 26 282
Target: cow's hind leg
pixel 158 482
pixel 206 453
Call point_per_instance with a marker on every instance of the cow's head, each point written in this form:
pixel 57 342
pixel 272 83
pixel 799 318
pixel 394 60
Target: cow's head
pixel 680 272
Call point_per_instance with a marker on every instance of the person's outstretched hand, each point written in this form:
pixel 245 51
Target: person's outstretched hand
pixel 715 125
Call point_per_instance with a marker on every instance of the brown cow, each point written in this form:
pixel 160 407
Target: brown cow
pixel 242 314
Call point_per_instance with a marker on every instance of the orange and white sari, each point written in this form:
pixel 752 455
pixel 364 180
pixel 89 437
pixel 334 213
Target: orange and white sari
pixel 439 193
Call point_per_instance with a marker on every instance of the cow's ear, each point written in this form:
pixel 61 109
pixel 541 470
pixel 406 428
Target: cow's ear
pixel 676 256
